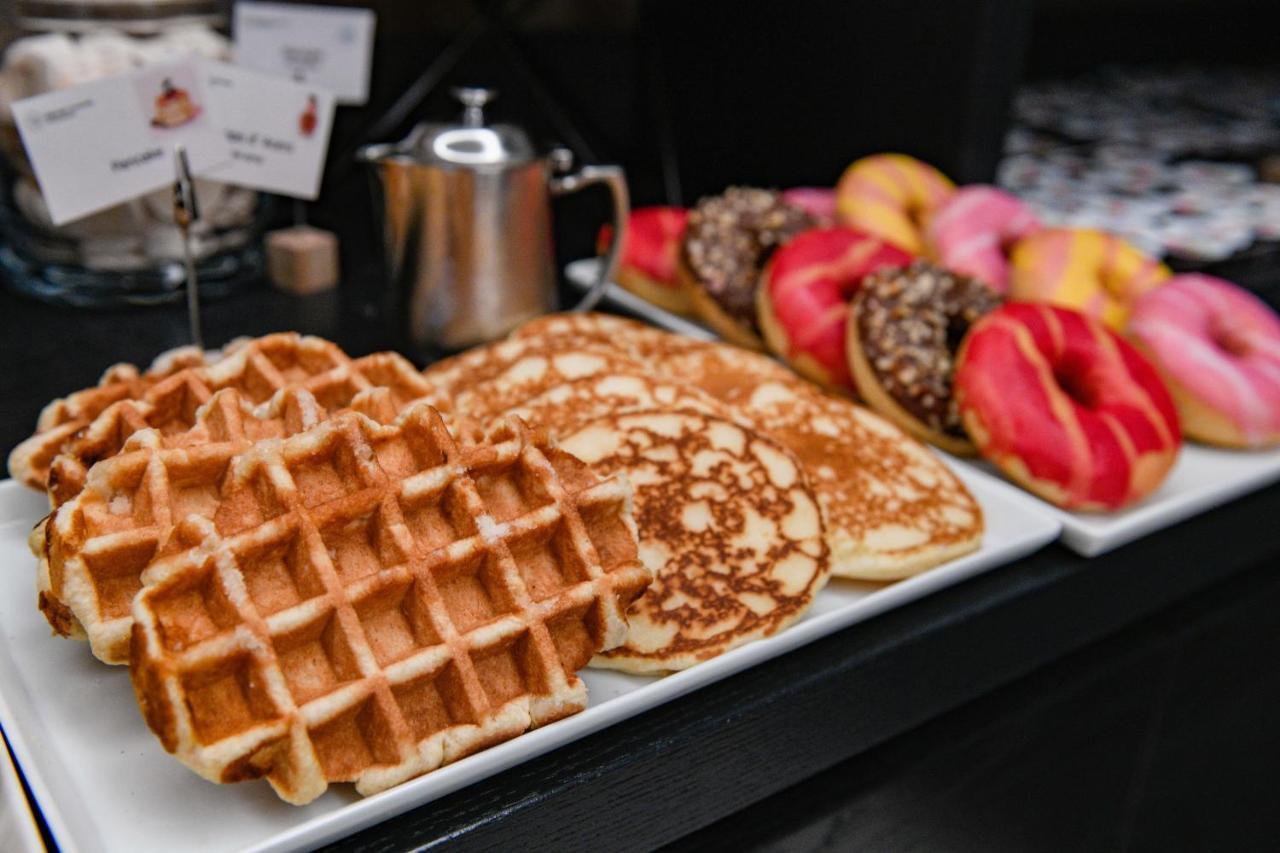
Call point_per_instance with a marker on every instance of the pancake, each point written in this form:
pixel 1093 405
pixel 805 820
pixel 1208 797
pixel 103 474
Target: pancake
pixel 536 371
pixel 574 330
pixel 727 373
pixel 564 407
pixel 479 364
pixel 728 524
pixel 892 508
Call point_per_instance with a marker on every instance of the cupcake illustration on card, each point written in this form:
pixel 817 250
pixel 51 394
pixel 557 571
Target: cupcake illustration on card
pixel 173 106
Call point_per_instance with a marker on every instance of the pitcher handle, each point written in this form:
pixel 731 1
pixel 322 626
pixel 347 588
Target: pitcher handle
pixel 614 178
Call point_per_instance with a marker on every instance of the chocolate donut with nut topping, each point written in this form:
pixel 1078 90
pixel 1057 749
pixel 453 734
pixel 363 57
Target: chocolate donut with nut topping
pixel 726 244
pixel 905 326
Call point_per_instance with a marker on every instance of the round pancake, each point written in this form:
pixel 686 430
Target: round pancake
pixel 536 371
pixel 892 508
pixel 636 339
pixel 728 524
pixel 727 373
pixel 567 406
pixel 478 364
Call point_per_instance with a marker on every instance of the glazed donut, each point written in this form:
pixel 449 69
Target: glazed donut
pixel 726 244
pixel 818 202
pixel 1218 348
pixel 972 232
pixel 891 196
pixel 803 299
pixel 1065 407
pixel 1092 271
pixel 903 330
pixel 650 251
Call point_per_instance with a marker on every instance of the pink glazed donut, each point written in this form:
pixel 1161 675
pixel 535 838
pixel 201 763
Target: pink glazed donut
pixel 973 230
pixel 818 202
pixel 1218 347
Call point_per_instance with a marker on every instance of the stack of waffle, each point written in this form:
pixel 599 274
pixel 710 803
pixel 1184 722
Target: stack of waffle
pixel 312 578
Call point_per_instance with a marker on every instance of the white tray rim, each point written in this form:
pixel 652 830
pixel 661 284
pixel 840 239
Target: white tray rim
pixel 1039 530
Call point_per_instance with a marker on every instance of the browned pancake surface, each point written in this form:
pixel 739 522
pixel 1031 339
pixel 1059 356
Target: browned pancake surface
pixel 728 525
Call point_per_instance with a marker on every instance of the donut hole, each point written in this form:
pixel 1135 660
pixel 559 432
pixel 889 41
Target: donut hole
pixel 919 215
pixel 957 328
pixel 1005 241
pixel 1076 383
pixel 1228 341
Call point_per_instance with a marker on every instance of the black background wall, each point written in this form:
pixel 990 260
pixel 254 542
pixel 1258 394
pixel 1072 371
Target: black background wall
pixel 692 96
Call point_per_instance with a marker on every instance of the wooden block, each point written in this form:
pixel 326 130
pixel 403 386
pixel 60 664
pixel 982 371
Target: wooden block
pixel 302 259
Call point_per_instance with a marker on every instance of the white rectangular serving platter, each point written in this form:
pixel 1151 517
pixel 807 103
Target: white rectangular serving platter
pixel 18 830
pixel 104 782
pixel 582 274
pixel 1202 478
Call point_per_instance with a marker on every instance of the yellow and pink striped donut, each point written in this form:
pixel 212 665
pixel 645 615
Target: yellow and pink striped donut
pixel 891 196
pixel 1092 271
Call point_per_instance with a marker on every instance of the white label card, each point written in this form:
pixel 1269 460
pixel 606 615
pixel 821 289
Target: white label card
pixel 105 142
pixel 277 130
pixel 328 46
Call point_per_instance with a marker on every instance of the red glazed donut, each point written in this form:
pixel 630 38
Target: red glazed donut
pixel 803 299
pixel 650 253
pixel 1065 407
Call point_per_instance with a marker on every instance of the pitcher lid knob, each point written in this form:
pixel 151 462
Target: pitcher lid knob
pixel 473 100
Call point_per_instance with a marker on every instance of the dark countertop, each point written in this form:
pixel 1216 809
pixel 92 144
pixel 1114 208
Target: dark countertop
pixel 1055 703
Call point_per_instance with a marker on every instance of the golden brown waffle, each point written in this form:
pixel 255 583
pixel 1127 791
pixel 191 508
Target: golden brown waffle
pixel 258 368
pixel 728 524
pixel 170 405
pixel 369 602
pixel 120 381
pixel 83 605
pixel 64 417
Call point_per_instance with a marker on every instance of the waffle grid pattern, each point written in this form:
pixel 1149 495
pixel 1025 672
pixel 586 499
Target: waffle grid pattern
pixel 257 368
pixel 76 605
pixel 371 602
pixel 171 405
pixel 63 418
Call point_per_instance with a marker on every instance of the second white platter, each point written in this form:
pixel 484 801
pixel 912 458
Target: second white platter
pixel 1201 479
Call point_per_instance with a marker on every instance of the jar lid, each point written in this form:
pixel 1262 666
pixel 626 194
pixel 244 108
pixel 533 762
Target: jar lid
pixel 133 16
pixel 471 143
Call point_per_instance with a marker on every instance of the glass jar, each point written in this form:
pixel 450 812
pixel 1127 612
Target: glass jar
pixel 130 253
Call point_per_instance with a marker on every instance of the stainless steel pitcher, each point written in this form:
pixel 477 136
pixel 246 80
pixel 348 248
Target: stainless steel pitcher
pixel 467 226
